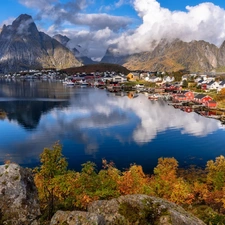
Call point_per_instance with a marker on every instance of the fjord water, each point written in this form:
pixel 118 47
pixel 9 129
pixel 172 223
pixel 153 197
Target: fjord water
pixel 93 124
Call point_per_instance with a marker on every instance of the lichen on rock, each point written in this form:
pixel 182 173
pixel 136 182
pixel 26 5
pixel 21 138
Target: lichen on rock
pixel 129 210
pixel 18 196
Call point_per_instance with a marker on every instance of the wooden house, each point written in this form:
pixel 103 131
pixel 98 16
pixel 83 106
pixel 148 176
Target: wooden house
pixel 211 104
pixel 133 76
pixel 183 96
pixel 202 98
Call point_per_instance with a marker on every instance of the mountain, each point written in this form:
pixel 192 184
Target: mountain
pixel 77 50
pixel 23 47
pixel 100 67
pixel 62 39
pixel 173 56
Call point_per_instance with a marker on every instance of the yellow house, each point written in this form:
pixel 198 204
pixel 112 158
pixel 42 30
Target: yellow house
pixel 133 77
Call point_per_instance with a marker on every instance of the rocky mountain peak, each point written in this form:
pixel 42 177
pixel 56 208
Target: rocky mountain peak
pixel 61 39
pixel 23 47
pixel 22 26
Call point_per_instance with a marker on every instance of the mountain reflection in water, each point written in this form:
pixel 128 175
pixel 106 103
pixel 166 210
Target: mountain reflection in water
pixel 92 124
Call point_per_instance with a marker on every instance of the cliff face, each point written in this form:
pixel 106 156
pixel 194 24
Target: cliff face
pixel 173 56
pixel 18 196
pixel 23 47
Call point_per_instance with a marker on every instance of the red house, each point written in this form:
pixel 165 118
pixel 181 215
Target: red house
pixel 211 104
pixel 171 88
pixel 184 96
pixel 202 99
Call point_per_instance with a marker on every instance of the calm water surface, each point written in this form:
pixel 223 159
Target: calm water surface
pixel 93 124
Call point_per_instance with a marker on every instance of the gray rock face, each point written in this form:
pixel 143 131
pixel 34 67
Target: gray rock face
pixel 18 196
pixel 127 210
pixel 77 218
pixel 23 47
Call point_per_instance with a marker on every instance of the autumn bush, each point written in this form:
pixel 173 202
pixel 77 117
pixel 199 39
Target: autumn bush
pixel 193 188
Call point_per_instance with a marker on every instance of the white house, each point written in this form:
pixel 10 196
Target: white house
pixel 213 85
pixel 221 85
pixel 153 79
pixel 119 78
pixel 168 79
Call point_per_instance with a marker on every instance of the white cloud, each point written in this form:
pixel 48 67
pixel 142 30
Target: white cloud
pixel 205 21
pixel 93 43
pixel 40 4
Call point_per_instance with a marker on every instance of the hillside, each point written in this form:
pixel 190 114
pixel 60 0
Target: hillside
pixel 173 56
pixel 101 67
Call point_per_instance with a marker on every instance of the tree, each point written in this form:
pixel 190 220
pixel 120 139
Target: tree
pixel 216 173
pixel 215 182
pixel 165 176
pixel 185 84
pixel 133 181
pixel 53 164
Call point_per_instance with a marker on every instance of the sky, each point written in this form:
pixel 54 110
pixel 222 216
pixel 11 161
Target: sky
pixel 126 26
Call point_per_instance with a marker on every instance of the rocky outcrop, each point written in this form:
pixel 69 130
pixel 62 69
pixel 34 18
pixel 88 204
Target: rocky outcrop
pixel 18 196
pixel 129 209
pixel 23 47
pixel 77 217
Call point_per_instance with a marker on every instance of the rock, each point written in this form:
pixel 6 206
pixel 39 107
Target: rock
pixel 77 218
pixel 128 210
pixel 18 196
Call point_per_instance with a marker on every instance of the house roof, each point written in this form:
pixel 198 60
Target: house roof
pixel 184 91
pixel 222 82
pixel 211 82
pixel 153 78
pixel 200 96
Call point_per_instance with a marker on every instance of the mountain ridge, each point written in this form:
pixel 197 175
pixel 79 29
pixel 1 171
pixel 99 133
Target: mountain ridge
pixel 173 56
pixel 23 47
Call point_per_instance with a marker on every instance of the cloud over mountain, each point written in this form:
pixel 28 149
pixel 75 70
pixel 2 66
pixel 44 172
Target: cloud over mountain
pixel 77 19
pixel 205 21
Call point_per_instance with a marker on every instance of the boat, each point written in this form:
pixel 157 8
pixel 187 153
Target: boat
pixel 153 97
pixel 68 83
pixel 82 83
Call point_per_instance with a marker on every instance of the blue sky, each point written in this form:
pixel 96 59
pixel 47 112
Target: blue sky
pixel 128 26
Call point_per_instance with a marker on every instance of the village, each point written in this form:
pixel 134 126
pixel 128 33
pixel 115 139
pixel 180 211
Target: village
pixel 201 93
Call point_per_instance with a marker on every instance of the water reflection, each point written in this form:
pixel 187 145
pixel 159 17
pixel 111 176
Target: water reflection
pixel 89 122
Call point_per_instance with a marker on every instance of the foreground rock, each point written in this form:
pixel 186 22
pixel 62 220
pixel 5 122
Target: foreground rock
pixel 18 196
pixel 129 209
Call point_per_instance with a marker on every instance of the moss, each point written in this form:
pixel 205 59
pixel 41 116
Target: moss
pixel 16 177
pixel 146 213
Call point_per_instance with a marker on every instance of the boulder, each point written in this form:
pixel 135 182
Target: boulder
pixel 18 196
pixel 77 218
pixel 128 210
